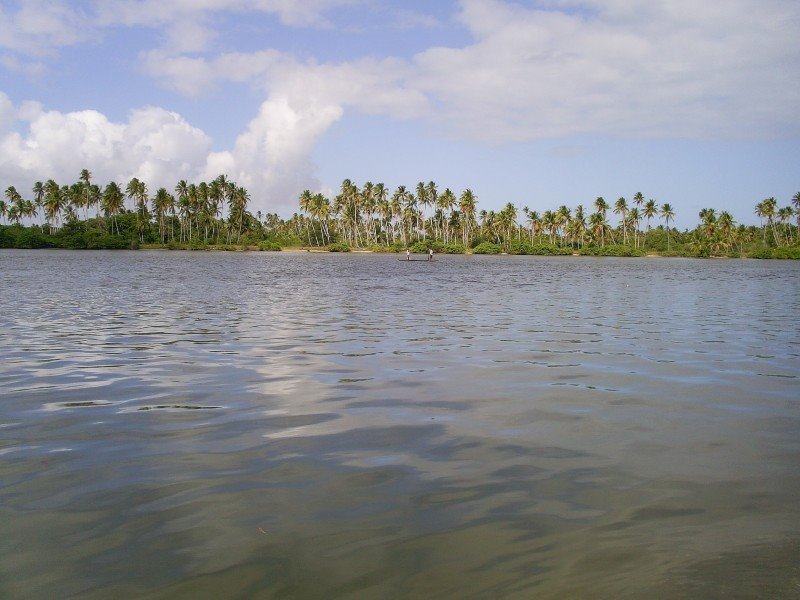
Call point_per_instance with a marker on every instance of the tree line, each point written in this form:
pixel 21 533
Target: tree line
pixel 205 211
pixel 215 213
pixel 372 215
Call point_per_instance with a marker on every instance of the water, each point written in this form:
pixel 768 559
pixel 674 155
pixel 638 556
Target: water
pixel 204 425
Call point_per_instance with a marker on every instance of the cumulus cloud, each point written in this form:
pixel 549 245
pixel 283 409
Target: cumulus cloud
pixel 155 145
pixel 272 157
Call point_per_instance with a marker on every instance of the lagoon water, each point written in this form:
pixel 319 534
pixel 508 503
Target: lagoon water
pixel 274 425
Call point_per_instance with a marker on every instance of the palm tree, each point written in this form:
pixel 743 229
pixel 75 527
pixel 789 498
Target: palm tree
pixel 563 217
pixel 535 224
pixel 424 201
pixel 184 210
pixel 766 209
pixel 785 215
pixel 507 220
pixel 15 204
pixel 467 203
pixel 633 220
pixel 238 206
pixel 52 204
pixel 579 224
pixel 668 214
pixel 113 203
pixel 621 208
pixel 86 179
pixel 38 193
pixel 161 204
pixel 304 202
pixel 650 212
pixel 796 202
pixel 598 226
pixel 446 203
pixel 550 224
pixel 137 191
pixel 432 194
pixel 726 227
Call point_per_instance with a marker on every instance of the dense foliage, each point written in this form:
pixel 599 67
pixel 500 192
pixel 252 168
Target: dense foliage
pixel 215 215
pixel 371 216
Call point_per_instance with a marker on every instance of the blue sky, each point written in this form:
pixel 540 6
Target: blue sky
pixel 539 103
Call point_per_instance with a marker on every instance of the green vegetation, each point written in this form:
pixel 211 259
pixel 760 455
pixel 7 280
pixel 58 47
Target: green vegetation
pixel 338 247
pixel 82 215
pixel 372 217
pixel 214 215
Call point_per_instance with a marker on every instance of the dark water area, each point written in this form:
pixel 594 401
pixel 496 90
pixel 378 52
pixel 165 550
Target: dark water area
pixel 270 425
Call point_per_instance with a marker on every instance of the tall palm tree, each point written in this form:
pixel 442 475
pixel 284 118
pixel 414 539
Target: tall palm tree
pixel 650 212
pixel 52 204
pixel 633 220
pixel 771 211
pixel 424 202
pixel 668 214
pixel 238 215
pixel 446 202
pixel 384 209
pixel 113 203
pixel 85 179
pixel 598 226
pixel 432 194
pixel 550 224
pixel 161 205
pixel 15 202
pixel 785 215
pixel 305 202
pixel 579 223
pixel 137 192
pixel 467 203
pixel 563 216
pixel 184 210
pixel 621 208
pixel 726 227
pixel 38 194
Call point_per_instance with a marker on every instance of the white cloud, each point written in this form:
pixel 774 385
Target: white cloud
pixel 635 68
pixel 155 145
pixel 630 68
pixel 271 158
pixel 38 27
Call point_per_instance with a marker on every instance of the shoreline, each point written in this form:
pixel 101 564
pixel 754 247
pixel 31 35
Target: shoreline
pixel 296 250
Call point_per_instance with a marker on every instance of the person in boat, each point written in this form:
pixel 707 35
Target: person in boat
pixel 408 254
pixel 430 254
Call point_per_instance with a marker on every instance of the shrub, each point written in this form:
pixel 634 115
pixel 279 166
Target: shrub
pixel 339 247
pixel 786 253
pixel 487 248
pixel 783 253
pixel 269 246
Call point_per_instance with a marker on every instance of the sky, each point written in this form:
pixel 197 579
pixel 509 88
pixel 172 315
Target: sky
pixel 535 102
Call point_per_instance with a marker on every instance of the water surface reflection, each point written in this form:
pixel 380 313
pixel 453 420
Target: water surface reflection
pixel 261 425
